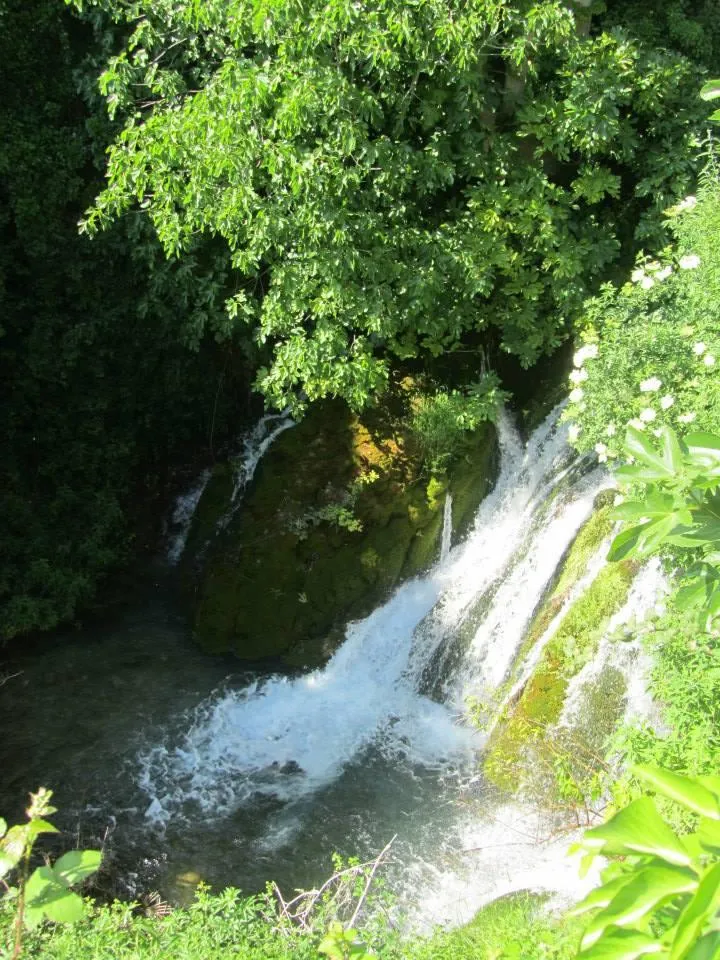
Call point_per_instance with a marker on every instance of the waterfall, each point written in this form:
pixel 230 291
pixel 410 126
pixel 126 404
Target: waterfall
pixel 292 754
pixel 446 541
pixel 254 445
pixel 181 517
pixel 286 738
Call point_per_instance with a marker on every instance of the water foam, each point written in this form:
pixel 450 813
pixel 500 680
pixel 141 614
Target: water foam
pixel 285 738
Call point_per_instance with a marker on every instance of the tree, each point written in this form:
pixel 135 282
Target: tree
pixel 391 178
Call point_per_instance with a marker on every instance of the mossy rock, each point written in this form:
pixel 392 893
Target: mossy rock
pixel 526 723
pixel 289 569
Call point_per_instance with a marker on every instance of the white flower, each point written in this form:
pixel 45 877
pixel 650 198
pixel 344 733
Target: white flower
pixel 666 402
pixel 652 267
pixel 619 498
pixel 657 432
pixel 689 262
pixel 687 204
pixel 647 415
pixel 647 282
pixel 699 349
pixel 637 275
pixel 611 430
pixel 650 385
pixel 588 352
pixel 576 395
pixel 686 417
pixel 573 432
pixel 578 376
pixel 601 450
pixel 664 273
pixel 638 424
pixel 709 360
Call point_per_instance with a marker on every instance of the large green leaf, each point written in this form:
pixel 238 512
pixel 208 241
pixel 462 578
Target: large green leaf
pixel 77 865
pixel 690 793
pixel 697 913
pixel 600 896
pixel 618 944
pixel 672 449
pixel 707 948
pixel 654 505
pixel 637 828
pixel 3 827
pixel 649 887
pixel 626 542
pixel 708 835
pixel 638 445
pixel 46 896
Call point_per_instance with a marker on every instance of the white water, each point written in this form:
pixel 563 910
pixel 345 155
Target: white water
pixel 183 511
pixel 391 697
pixel 621 648
pixel 447 531
pixel 286 738
pixel 254 445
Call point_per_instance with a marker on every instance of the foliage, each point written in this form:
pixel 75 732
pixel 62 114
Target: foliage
pixel 650 346
pixel 685 681
pixel 391 179
pixel 107 376
pixel 441 420
pixel 711 91
pixel 679 506
pixel 44 894
pixel 664 899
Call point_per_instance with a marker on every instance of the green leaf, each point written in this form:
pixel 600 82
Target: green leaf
pixel 3 827
pixel 654 505
pixel 690 793
pixel 696 914
pixel 617 944
pixel 704 449
pixel 36 827
pixel 47 897
pixel 77 865
pixel 638 445
pixel 707 948
pixel 626 542
pixel 712 782
pixel 12 848
pixel 672 449
pixel 710 90
pixel 600 896
pixel 637 828
pixel 708 834
pixel 645 891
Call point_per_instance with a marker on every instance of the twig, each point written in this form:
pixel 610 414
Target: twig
pixel 375 865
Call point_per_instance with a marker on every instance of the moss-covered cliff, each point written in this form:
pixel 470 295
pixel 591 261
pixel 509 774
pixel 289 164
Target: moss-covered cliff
pixel 339 512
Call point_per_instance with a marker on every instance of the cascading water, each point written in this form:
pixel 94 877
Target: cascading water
pixel 254 445
pixel 256 776
pixel 446 539
pixel 305 754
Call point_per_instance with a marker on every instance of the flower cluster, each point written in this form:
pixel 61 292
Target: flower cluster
pixel 701 352
pixel 650 274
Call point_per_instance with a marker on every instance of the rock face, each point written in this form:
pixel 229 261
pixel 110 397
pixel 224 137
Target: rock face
pixel 339 512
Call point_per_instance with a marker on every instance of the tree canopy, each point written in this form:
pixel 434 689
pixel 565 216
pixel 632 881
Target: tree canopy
pixel 393 178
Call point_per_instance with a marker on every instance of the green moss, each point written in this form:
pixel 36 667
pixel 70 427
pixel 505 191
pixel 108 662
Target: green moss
pixel 210 510
pixel 472 476
pixel 512 926
pixel 571 569
pixel 509 754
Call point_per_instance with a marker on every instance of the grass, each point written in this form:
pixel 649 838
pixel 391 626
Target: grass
pixel 231 926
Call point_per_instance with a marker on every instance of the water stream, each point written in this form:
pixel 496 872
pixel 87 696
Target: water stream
pixel 240 776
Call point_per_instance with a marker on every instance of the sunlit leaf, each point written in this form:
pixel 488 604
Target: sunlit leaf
pixel 648 887
pixel 619 944
pixel 690 793
pixel 638 828
pixel 695 916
